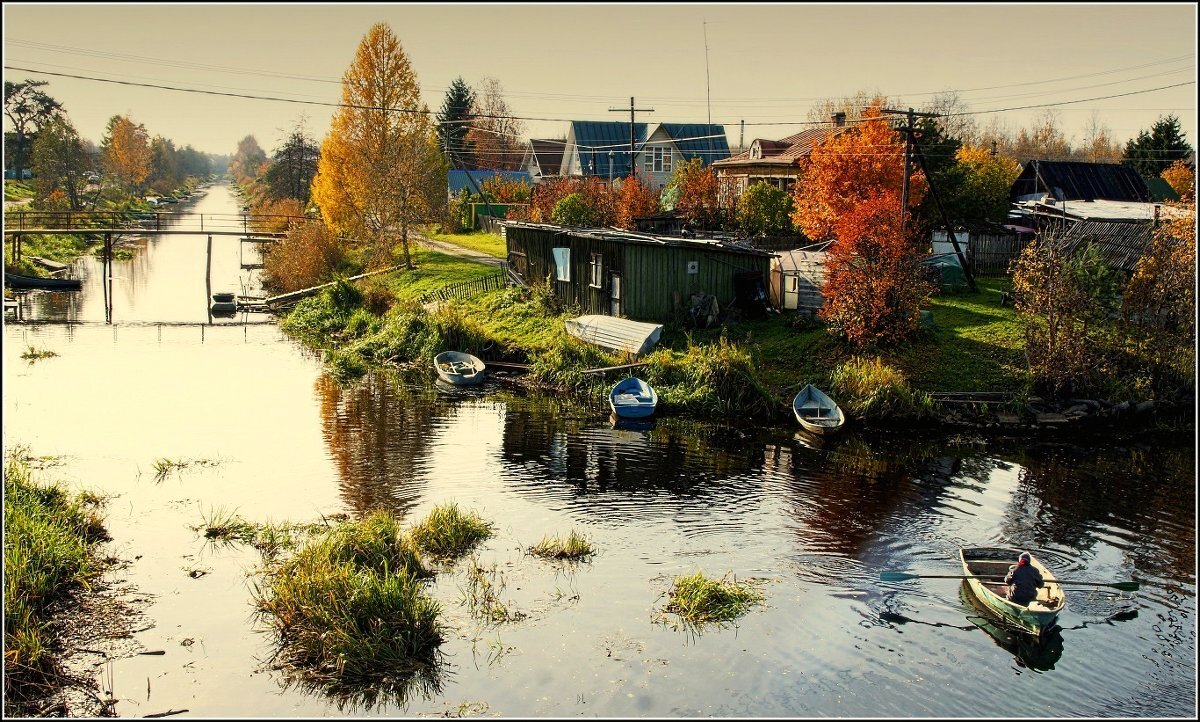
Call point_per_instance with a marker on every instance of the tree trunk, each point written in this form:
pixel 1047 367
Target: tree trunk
pixel 404 244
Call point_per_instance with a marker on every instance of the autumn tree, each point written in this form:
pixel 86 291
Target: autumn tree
pixel 573 210
pixel 1044 142
pixel 1153 151
pixel 1159 303
pixel 495 135
pixel 693 192
pixel 1182 178
pixel 955 119
pixel 1063 302
pixel 763 209
pixel 854 106
pixel 381 170
pixel 293 166
pixel 593 192
pixel 454 121
pixel 126 151
pixel 874 284
pixel 305 257
pixel 59 162
pixel 1098 144
pixel 986 179
pixel 165 173
pixel 847 169
pixel 28 108
pixel 246 161
pixel 634 200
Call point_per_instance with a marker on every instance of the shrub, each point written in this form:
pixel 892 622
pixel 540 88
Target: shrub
pixel 866 388
pixel 635 199
pixel 573 210
pixel 305 257
pixel 764 209
pixel 718 378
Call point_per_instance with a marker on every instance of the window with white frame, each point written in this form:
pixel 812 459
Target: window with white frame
pixel 597 266
pixel 658 160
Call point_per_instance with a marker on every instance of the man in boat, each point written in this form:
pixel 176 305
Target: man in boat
pixel 1023 581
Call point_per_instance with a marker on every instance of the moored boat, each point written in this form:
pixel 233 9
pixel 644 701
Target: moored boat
pixel 986 567
pixel 460 369
pixel 16 280
pixel 816 412
pixel 633 399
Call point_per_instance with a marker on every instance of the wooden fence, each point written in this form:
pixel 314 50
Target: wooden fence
pixel 466 289
pixel 989 254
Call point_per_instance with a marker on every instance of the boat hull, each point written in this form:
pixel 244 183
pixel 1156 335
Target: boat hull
pixel 1040 616
pixel 816 412
pixel 14 280
pixel 632 399
pixel 459 369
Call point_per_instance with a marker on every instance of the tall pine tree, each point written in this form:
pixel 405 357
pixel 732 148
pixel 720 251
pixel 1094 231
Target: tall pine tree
pixel 1153 152
pixel 453 124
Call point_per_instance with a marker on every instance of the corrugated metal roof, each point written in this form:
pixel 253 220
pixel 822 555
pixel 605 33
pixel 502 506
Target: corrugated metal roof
pixel 1121 243
pixel 692 142
pixel 790 149
pixel 457 179
pixel 1097 210
pixel 794 260
pixel 1076 181
pixel 628 237
pixel 595 139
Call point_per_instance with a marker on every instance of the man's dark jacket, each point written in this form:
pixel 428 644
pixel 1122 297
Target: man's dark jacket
pixel 1023 582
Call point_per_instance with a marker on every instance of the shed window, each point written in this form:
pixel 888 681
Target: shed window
pixel 597 270
pixel 562 264
pixel 793 283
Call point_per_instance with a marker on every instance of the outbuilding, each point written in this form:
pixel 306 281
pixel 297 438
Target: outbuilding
pixel 636 276
pixel 796 279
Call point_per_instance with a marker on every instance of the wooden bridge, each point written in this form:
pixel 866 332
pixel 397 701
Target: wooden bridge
pixel 100 222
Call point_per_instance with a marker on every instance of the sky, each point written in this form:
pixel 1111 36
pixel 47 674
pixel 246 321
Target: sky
pixel 766 64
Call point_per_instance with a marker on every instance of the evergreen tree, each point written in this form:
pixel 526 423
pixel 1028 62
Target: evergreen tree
pixel 1153 152
pixel 453 124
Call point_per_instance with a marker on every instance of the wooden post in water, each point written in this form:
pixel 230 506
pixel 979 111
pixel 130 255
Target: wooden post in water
pixel 208 282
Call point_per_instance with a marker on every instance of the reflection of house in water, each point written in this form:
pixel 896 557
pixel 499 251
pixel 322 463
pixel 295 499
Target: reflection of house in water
pixel 378 435
pixel 608 466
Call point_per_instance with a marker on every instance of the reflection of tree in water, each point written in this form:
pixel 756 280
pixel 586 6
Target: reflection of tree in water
pixel 378 433
pixel 1070 495
pixel 388 693
pixel 844 493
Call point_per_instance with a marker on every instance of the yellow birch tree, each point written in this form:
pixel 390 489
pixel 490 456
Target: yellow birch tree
pixel 380 171
pixel 126 148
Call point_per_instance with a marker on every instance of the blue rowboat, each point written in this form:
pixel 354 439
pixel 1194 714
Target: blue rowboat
pixel 632 399
pixel 816 412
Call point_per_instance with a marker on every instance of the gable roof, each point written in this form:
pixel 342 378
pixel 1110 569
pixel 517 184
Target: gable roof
pixel 1120 243
pixel 595 139
pixel 459 180
pixel 696 140
pixel 547 154
pixel 785 151
pixel 1076 181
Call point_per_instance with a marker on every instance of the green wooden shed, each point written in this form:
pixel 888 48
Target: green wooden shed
pixel 632 275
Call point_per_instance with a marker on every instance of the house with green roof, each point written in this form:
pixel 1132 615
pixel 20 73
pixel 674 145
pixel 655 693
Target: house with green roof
pixel 602 148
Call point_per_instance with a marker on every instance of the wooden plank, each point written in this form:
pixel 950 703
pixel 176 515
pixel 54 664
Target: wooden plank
pixel 614 368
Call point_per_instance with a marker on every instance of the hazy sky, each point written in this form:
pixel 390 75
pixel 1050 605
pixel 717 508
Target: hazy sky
pixel 768 64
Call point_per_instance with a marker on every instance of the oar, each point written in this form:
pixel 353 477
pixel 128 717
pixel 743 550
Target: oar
pixel 905 576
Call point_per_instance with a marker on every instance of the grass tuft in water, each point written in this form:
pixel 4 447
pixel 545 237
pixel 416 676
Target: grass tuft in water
pixel 350 607
pixel 448 533
pixel 484 585
pixel 35 354
pixel 699 600
pixel 574 547
pixel 49 540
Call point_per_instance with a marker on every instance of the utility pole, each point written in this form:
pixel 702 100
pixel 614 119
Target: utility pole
pixel 911 143
pixel 742 138
pixel 632 137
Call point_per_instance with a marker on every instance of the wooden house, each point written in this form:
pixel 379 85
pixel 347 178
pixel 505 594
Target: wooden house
pixel 631 275
pixel 777 162
pixel 602 148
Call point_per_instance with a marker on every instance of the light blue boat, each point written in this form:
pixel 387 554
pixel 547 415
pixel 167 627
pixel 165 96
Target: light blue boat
pixel 632 399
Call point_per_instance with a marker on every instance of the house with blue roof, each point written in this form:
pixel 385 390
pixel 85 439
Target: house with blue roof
pixel 601 148
pixel 472 180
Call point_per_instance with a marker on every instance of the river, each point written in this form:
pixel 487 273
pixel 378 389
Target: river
pixel 281 440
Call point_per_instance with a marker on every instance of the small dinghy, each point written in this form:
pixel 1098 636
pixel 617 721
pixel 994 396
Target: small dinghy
pixel 816 412
pixel 632 399
pixel 460 369
pixel 986 568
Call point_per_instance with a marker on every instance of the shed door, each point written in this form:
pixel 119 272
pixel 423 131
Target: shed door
pixel 791 290
pixel 614 294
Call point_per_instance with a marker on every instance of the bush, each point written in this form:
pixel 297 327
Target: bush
pixel 305 257
pixel 866 388
pixel 573 211
pixel 764 209
pixel 718 378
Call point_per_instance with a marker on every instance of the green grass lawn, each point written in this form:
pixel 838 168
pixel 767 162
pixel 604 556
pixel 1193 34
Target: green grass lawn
pixel 434 271
pixel 489 243
pixel 17 190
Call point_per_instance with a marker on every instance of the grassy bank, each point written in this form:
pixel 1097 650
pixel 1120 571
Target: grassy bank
pixel 746 369
pixel 49 539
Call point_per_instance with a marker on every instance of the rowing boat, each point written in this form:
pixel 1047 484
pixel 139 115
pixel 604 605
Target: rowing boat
pixel 460 369
pixel 632 399
pixel 816 412
pixel 16 280
pixel 992 564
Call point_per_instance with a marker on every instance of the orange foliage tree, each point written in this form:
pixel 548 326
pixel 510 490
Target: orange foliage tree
pixel 595 193
pixel 849 168
pixel 694 193
pixel 1182 178
pixel 634 200
pixel 874 285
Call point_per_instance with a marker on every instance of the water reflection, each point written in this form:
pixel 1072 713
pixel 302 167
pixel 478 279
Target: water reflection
pixel 1039 653
pixel 387 692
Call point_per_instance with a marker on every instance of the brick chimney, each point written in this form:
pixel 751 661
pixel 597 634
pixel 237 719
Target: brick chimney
pixel 839 119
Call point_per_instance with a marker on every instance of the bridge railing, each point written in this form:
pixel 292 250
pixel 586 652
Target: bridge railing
pixel 147 221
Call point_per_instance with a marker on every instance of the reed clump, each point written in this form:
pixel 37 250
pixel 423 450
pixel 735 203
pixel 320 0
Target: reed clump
pixel 699 600
pixel 574 547
pixel 49 542
pixel 867 388
pixel 717 378
pixel 350 606
pixel 448 532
